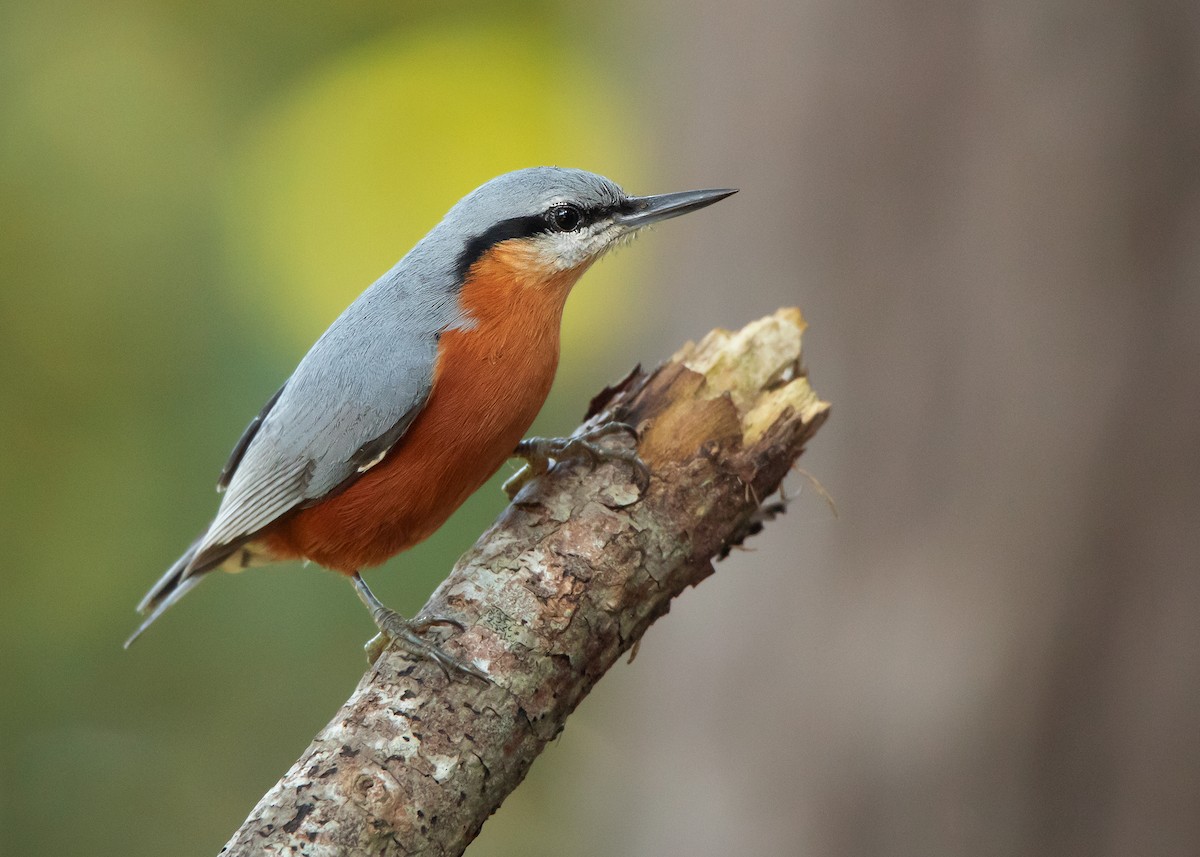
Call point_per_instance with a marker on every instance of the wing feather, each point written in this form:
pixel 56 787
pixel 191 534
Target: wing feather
pixel 352 397
pixel 239 448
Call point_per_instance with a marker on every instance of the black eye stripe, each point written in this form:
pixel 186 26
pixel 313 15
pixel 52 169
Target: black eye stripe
pixel 505 230
pixel 598 213
pixel 524 227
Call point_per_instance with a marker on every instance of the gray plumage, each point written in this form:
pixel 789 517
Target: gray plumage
pixel 367 377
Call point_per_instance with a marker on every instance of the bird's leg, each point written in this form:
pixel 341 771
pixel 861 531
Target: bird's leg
pixel 539 451
pixel 404 633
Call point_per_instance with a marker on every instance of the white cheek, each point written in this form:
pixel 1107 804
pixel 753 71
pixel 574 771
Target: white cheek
pixel 565 250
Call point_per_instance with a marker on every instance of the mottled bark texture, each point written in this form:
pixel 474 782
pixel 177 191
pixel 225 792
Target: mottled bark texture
pixel 569 578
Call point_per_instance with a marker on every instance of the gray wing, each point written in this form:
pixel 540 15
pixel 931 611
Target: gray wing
pixel 239 448
pixel 351 398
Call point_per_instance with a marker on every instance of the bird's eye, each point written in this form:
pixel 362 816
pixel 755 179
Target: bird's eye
pixel 564 218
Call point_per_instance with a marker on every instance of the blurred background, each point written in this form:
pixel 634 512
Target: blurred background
pixel 988 213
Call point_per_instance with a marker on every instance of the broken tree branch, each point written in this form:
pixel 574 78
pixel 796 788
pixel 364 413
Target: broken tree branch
pixel 568 579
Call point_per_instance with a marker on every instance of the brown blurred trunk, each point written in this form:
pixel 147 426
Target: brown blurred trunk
pixel 992 210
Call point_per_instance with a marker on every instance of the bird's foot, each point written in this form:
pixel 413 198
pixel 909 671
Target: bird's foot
pixel 404 634
pixel 395 630
pixel 540 451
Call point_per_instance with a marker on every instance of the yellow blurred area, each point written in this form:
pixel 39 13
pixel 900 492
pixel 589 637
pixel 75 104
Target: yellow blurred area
pixel 367 153
pixel 188 196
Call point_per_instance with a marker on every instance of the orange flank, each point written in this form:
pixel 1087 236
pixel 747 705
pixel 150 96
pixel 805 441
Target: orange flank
pixel 489 383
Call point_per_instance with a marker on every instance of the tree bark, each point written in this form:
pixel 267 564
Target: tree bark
pixel 569 578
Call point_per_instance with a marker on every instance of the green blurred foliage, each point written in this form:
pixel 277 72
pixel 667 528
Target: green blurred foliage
pixel 189 193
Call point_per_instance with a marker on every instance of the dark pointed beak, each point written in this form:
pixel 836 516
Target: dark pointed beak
pixel 640 211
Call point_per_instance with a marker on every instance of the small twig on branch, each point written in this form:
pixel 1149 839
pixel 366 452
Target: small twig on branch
pixel 568 579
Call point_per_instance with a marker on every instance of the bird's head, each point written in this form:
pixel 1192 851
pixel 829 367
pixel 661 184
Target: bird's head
pixel 548 224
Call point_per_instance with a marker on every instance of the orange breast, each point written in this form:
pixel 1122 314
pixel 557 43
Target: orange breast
pixel 489 384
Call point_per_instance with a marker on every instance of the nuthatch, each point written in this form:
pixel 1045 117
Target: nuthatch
pixel 419 391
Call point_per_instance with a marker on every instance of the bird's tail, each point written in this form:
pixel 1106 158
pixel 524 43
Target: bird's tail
pixel 178 581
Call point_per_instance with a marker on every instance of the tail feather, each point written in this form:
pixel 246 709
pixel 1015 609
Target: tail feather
pixel 178 580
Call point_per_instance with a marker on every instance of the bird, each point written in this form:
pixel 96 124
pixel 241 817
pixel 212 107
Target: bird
pixel 419 392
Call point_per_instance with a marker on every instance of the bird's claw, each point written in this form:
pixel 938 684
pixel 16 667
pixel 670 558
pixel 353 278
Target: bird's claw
pixel 539 451
pixel 395 630
pixel 424 625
